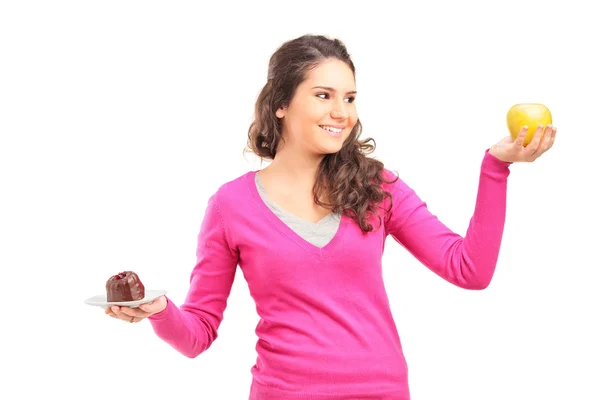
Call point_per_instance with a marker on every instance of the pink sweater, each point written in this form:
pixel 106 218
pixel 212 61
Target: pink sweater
pixel 326 330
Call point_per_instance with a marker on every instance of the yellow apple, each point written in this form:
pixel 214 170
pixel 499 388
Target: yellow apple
pixel 527 114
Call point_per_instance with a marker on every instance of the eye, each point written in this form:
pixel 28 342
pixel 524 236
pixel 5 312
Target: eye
pixel 325 96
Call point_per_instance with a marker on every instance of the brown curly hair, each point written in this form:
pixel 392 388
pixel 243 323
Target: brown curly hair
pixel 349 179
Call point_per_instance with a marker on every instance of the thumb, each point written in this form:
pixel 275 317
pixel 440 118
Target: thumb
pixel 154 306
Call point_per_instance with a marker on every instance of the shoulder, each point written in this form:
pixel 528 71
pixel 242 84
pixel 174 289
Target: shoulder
pixel 393 183
pixel 235 185
pixel 230 200
pixel 235 192
pixel 402 197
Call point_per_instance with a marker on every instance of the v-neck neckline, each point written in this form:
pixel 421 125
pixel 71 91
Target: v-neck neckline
pixel 289 232
pixel 262 192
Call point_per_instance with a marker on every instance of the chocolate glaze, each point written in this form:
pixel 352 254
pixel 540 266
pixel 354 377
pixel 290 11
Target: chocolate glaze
pixel 124 286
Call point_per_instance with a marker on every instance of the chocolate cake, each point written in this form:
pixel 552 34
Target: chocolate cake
pixel 125 286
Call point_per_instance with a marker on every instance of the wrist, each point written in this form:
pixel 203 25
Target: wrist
pixel 162 302
pixel 494 160
pixel 493 151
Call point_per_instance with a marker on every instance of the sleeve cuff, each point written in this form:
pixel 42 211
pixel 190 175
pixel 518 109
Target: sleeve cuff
pixel 493 161
pixel 164 314
pixel 494 167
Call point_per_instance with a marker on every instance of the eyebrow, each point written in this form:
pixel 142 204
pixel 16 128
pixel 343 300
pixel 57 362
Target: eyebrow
pixel 332 89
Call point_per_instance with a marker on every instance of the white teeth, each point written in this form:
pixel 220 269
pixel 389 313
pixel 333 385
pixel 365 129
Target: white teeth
pixel 331 129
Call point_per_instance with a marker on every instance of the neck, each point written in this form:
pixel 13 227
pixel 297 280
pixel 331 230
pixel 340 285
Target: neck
pixel 296 167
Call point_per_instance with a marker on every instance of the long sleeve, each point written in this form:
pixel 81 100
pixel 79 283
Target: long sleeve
pixel 192 328
pixel 467 262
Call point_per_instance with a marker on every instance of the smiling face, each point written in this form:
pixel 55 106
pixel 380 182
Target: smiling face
pixel 322 112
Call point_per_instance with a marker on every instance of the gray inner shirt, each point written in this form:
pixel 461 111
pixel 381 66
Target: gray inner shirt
pixel 317 233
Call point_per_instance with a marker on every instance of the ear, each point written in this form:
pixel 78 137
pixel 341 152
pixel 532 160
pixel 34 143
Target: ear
pixel 280 113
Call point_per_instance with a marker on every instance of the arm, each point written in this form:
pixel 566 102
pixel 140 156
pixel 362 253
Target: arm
pixel 192 328
pixel 467 262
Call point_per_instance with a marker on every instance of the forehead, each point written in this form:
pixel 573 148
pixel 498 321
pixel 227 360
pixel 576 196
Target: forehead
pixel 332 73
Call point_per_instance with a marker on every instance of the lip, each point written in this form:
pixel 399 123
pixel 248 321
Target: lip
pixel 334 126
pixel 336 135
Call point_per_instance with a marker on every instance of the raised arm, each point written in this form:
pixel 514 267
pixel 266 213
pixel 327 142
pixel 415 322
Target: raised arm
pixel 468 262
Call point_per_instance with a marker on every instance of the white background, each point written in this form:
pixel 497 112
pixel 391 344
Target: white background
pixel 118 119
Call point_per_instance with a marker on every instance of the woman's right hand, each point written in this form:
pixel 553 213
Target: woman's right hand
pixel 132 315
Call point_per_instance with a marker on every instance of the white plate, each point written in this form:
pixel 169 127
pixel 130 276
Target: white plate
pixel 100 300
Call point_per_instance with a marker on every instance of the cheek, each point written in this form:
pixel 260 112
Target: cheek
pixel 352 120
pixel 353 116
pixel 307 116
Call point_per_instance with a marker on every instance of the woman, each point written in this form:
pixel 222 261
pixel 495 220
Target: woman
pixel 308 232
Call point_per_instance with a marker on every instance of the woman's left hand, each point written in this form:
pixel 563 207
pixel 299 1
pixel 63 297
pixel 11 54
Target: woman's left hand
pixel 513 151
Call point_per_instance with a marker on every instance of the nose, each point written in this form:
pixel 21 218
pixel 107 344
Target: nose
pixel 339 111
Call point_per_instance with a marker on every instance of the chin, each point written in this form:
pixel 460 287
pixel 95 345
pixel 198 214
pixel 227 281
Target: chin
pixel 330 149
pixel 328 144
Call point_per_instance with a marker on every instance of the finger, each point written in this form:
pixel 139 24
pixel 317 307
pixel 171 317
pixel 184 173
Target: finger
pixel 127 318
pixel 120 313
pixel 533 146
pixel 521 138
pixel 548 138
pixel 544 141
pixel 147 308
pixel 157 305
pixel 126 312
pixel 150 308
pixel 530 152
pixel 112 311
pixel 552 136
pixel 134 312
